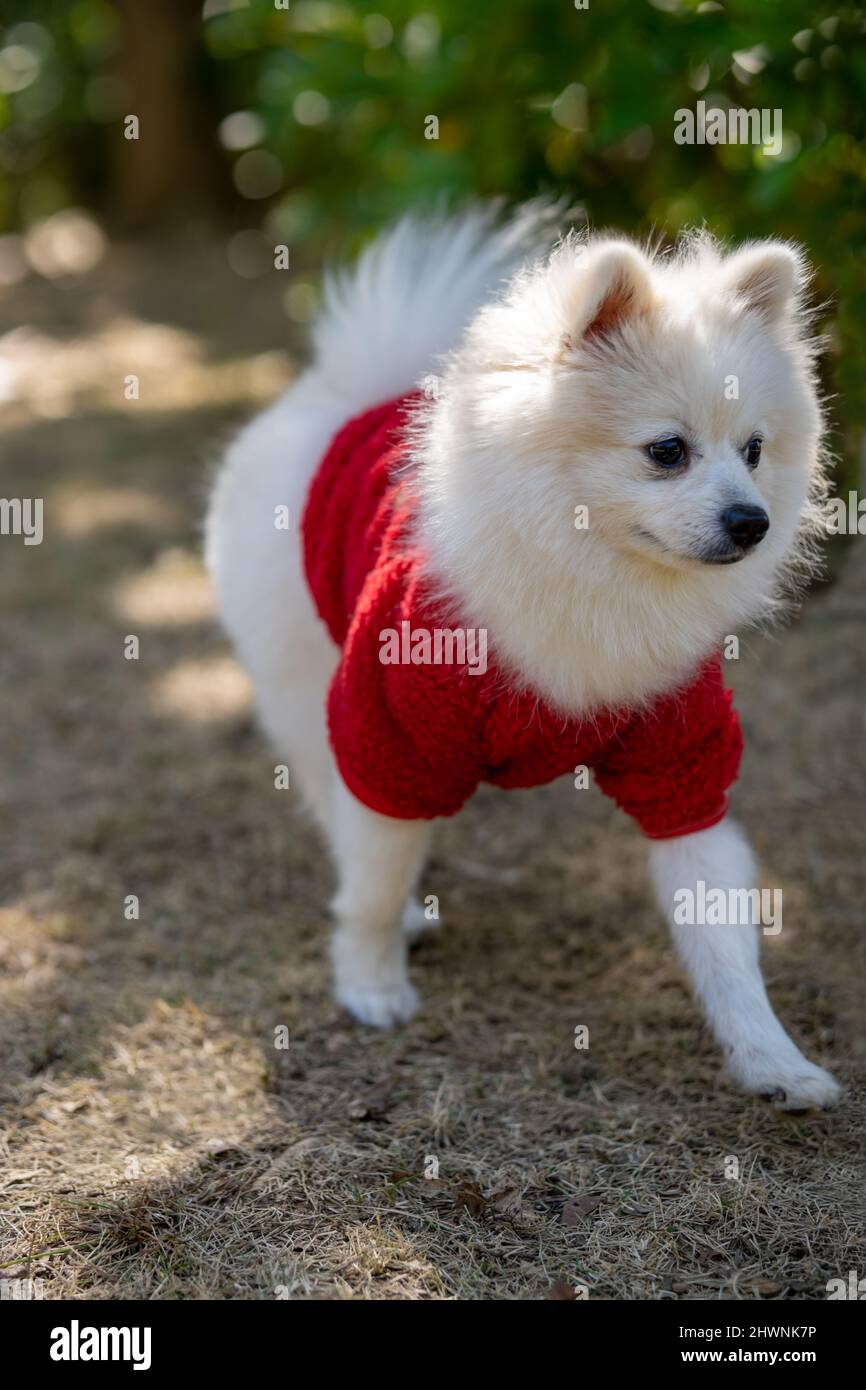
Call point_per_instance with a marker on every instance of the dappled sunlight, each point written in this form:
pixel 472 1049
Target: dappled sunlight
pixel 198 1076
pixel 174 1085
pixel 33 951
pixel 370 1252
pixel 173 592
pixel 79 512
pixel 205 691
pixel 67 243
pixel 126 364
pixel 174 1163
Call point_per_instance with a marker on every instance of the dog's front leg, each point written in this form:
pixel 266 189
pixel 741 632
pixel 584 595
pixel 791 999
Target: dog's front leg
pixel 378 860
pixel 723 964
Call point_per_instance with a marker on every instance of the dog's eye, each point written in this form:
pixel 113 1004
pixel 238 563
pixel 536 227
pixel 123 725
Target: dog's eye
pixel 752 451
pixel 668 453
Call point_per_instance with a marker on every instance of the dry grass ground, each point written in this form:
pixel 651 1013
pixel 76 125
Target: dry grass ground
pixel 156 1143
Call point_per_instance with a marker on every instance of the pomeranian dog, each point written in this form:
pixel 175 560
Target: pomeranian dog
pixel 531 489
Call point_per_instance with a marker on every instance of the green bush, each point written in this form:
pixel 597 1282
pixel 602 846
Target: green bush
pixel 529 95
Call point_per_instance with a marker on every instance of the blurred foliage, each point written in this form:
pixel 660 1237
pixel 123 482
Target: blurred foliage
pixel 530 95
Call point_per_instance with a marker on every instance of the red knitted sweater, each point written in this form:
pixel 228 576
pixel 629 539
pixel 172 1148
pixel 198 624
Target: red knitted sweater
pixel 414 740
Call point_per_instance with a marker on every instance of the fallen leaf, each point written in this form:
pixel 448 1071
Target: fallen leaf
pixel 575 1211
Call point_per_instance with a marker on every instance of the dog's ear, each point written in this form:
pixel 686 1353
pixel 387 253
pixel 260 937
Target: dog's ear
pixel 766 277
pixel 612 285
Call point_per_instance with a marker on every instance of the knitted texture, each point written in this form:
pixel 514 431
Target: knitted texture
pixel 415 740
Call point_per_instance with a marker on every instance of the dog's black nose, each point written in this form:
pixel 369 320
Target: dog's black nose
pixel 746 525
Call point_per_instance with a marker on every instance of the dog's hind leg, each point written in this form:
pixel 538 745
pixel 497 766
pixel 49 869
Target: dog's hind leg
pixel 292 712
pixel 722 961
pixel 378 860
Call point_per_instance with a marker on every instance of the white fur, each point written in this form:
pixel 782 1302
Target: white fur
pixel 549 386
pixel 527 424
pixel 722 962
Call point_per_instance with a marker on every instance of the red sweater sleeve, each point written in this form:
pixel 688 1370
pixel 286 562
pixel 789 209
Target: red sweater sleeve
pixel 406 737
pixel 670 766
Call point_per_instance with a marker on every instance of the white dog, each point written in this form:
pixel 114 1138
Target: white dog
pixel 616 465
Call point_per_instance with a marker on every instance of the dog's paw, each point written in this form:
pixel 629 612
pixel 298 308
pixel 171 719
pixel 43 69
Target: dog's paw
pixel 380 1006
pixel 415 922
pixel 789 1082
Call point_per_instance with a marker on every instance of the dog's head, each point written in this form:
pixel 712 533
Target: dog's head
pixel 663 406
pixel 674 395
pixel 692 380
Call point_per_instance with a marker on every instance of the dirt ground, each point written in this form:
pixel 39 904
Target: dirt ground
pixel 156 1142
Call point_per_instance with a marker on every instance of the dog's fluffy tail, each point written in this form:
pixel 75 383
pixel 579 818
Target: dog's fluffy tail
pixel 408 299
